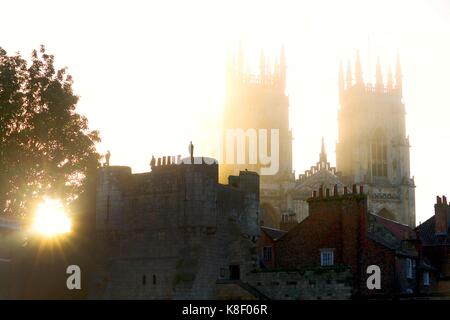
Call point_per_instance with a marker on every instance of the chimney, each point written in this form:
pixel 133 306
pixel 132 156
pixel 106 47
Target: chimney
pixel 441 209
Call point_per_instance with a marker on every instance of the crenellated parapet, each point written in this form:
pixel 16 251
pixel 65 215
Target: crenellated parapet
pixel 270 74
pixel 353 84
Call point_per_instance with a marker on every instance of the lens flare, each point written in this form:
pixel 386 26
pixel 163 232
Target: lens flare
pixel 51 219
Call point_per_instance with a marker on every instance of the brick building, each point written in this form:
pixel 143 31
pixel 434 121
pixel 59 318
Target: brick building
pixel 265 246
pixel 340 231
pixel 434 234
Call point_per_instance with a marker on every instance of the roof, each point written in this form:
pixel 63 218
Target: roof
pixel 391 234
pixel 428 236
pixel 303 188
pixel 399 230
pixel 272 233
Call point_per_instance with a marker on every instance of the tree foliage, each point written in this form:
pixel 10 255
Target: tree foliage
pixel 46 147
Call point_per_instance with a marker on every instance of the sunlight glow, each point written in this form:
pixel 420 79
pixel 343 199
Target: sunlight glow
pixel 162 69
pixel 51 219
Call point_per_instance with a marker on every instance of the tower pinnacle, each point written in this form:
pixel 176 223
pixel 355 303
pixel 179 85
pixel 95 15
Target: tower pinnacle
pixel 358 70
pixel 349 76
pixel 341 78
pixel 398 74
pixel 323 154
pixel 283 67
pixel 390 81
pixel 262 65
pixel 379 77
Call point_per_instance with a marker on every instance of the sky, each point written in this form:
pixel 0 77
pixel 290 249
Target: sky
pixel 151 74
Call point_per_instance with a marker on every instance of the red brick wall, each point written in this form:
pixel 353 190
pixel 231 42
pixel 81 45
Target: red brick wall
pixel 379 255
pixel 332 223
pixel 264 241
pixel 339 223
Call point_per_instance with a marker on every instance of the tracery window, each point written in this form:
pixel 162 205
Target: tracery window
pixel 379 156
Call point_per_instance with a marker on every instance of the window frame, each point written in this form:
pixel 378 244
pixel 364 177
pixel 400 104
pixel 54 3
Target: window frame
pixel 409 268
pixel 327 257
pixel 267 252
pixel 426 278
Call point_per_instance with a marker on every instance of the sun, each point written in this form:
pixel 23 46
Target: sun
pixel 51 219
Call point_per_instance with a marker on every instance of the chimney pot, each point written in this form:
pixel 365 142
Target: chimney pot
pixel 441 216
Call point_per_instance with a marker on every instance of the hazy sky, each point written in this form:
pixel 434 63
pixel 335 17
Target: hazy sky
pixel 151 74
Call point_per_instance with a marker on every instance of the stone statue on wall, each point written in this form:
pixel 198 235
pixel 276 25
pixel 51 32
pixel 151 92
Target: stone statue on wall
pixel 191 152
pixel 152 162
pixel 107 157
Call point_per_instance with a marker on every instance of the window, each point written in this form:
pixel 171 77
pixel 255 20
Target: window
pixel 426 278
pixel 267 253
pixel 154 279
pixel 327 257
pixel 379 156
pixel 409 268
pixel 144 279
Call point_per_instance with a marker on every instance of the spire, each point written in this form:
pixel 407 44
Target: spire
pixel 282 67
pixel 341 78
pixel 240 60
pixel 349 76
pixel 379 76
pixel 398 74
pixel 390 80
pixel 358 70
pixel 323 154
pixel 262 66
pixel 230 70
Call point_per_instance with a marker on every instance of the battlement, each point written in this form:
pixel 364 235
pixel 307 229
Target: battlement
pixel 372 89
pixel 354 84
pixel 270 75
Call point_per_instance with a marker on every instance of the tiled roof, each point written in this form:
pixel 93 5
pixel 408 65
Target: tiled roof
pixel 428 236
pixel 399 230
pixel 391 234
pixel 272 233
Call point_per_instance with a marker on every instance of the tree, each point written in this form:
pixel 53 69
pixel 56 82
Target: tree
pixel 46 147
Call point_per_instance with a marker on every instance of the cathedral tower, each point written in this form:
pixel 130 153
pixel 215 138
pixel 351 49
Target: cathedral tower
pixel 373 148
pixel 257 105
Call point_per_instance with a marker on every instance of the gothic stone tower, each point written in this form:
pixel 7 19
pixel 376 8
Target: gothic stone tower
pixel 254 103
pixel 373 148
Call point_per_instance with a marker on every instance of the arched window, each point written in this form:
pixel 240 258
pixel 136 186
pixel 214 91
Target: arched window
pixel 379 155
